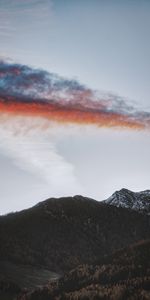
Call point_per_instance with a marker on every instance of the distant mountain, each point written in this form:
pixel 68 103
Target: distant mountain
pixel 139 201
pixel 123 275
pixel 55 236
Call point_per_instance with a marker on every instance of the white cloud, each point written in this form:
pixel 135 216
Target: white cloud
pixel 32 149
pixel 51 160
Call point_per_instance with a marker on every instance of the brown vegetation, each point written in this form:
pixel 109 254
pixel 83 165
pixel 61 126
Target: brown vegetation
pixel 125 275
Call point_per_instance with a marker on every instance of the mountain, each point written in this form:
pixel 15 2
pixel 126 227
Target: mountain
pixel 123 275
pixel 139 201
pixel 40 244
pixel 60 234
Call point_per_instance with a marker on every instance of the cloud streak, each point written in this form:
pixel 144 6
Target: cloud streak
pixel 34 12
pixel 32 92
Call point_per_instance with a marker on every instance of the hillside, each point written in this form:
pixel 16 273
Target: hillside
pixel 124 275
pixel 60 234
pixel 40 244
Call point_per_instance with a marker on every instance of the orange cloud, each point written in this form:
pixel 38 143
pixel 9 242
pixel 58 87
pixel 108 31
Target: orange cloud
pixel 37 93
pixel 69 114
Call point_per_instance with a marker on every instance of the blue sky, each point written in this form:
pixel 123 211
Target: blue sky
pixel 103 44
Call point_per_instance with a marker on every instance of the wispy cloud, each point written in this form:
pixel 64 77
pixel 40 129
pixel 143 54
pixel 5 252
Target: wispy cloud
pixel 33 92
pixel 34 152
pixel 10 11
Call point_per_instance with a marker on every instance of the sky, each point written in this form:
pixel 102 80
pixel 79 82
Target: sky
pixel 74 99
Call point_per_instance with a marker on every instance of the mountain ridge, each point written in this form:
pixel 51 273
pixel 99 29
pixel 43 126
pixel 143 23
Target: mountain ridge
pixel 59 234
pixel 138 201
pixel 85 227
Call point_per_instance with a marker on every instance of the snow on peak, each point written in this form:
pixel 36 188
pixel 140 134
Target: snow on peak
pixel 139 201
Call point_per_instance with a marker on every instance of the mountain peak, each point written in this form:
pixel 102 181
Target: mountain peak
pixel 138 201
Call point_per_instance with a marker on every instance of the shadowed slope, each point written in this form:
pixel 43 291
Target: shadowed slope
pixel 60 234
pixel 124 275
